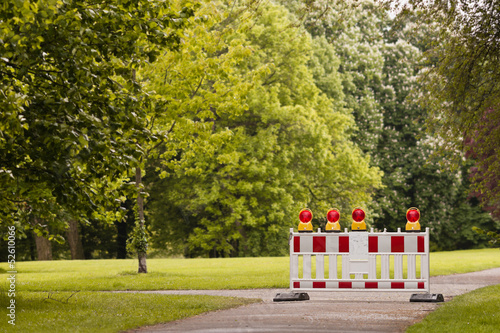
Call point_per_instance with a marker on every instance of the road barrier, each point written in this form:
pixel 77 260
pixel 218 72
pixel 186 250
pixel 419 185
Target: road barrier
pixel 384 261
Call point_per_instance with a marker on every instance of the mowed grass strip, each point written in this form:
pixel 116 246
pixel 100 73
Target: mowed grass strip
pixel 164 274
pixel 475 312
pixel 464 261
pixel 106 312
pixel 176 274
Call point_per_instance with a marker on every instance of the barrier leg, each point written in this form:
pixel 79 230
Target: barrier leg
pixel 294 268
pixel 424 273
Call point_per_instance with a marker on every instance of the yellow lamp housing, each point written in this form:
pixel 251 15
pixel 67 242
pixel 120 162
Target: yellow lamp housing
pixel 333 217
pixel 305 217
pixel 358 217
pixel 412 220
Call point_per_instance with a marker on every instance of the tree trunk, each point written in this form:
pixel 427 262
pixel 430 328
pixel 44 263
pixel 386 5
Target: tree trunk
pixel 122 229
pixel 86 241
pixel 237 251
pixel 31 242
pixel 140 211
pixel 43 248
pixel 74 240
pixel 142 262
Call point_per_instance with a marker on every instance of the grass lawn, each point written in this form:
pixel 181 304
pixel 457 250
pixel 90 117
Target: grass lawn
pixel 229 273
pixel 91 311
pixel 237 273
pixel 105 312
pixel 475 312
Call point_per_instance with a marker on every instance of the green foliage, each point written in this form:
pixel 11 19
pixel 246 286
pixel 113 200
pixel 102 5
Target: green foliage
pixel 493 236
pixel 464 49
pixel 138 239
pixel 235 188
pixel 414 174
pixel 461 88
pixel 354 32
pixel 73 116
pixel 379 62
pixel 241 114
pixel 481 147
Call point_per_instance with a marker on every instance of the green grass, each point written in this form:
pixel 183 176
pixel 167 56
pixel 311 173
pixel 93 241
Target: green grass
pixel 90 311
pixel 475 312
pixel 465 261
pixel 105 312
pixel 237 273
pixel 230 273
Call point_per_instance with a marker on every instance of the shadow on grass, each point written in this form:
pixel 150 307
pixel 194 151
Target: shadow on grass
pixel 150 274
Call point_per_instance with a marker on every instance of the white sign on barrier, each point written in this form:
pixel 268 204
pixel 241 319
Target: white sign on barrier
pixel 385 261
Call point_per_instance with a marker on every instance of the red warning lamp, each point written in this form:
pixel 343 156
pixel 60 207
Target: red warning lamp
pixel 413 218
pixel 333 215
pixel 305 217
pixel 358 215
pixel 413 215
pixel 358 223
pixel 333 224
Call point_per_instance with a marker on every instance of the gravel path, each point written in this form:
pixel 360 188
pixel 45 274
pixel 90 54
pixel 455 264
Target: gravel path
pixel 325 311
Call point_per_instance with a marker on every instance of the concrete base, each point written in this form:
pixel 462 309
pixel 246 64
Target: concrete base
pixel 287 297
pixel 427 298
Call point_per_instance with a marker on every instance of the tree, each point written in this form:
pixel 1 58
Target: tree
pixel 482 149
pixel 463 82
pixel 354 30
pixel 379 62
pixel 73 116
pixel 414 174
pixel 198 85
pixel 287 148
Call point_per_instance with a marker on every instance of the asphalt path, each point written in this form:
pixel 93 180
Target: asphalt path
pixel 325 311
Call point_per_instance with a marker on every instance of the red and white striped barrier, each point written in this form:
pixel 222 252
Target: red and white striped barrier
pixel 366 261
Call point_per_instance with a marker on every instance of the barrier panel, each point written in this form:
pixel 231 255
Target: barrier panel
pixel 384 261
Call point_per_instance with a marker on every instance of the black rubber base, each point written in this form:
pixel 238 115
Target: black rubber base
pixel 288 297
pixel 427 298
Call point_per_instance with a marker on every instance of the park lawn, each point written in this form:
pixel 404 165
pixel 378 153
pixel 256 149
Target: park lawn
pixel 105 312
pixel 474 312
pixel 176 274
pixel 163 274
pixel 90 311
